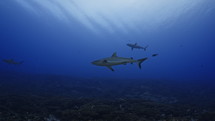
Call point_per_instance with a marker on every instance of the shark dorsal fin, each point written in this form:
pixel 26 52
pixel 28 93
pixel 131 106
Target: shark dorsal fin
pixel 114 54
pixel 135 44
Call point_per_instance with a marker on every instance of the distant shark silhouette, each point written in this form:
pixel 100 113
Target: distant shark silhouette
pixel 137 46
pixel 115 60
pixel 11 61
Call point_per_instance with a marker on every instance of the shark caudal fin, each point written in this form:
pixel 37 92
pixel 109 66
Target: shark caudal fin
pixel 144 48
pixel 140 61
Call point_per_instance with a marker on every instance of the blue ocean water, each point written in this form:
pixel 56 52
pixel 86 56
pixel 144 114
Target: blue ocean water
pixel 64 37
pixel 49 39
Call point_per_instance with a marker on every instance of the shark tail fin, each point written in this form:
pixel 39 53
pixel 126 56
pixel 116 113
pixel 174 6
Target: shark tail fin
pixel 144 48
pixel 140 61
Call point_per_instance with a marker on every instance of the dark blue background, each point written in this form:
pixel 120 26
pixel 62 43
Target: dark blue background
pixel 46 45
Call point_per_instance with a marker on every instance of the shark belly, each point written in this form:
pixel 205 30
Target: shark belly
pixel 113 62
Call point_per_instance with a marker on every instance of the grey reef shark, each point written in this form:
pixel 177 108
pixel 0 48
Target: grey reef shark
pixel 115 60
pixel 11 61
pixel 137 46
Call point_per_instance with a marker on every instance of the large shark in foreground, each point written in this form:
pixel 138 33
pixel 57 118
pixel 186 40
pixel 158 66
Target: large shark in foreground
pixel 115 60
pixel 136 46
pixel 11 61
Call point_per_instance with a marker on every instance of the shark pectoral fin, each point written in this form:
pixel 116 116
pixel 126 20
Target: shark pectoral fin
pixel 110 68
pixel 132 48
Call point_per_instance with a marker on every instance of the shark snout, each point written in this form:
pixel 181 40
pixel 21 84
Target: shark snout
pixel 95 62
pixel 98 62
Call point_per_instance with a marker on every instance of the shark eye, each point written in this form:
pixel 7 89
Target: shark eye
pixel 104 61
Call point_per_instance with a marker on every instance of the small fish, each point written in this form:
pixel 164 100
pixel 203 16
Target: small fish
pixel 115 60
pixel 153 55
pixel 11 61
pixel 137 46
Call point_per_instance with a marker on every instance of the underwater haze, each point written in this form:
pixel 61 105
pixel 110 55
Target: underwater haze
pixel 43 38
pixel 64 37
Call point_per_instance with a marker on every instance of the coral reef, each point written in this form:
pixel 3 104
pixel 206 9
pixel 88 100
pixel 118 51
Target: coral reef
pixel 59 98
